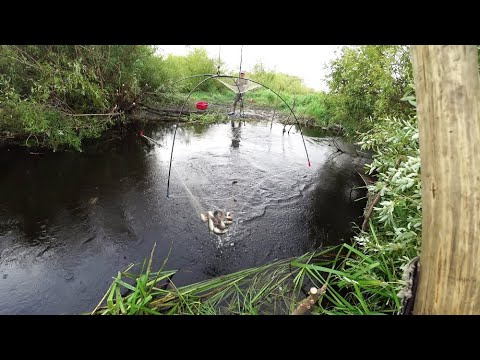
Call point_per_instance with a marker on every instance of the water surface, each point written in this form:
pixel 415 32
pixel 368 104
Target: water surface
pixel 70 221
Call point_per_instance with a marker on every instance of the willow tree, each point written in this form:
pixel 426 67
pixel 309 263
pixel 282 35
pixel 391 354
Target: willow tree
pixel 448 104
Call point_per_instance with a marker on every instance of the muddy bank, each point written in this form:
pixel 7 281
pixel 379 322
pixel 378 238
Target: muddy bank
pixel 220 113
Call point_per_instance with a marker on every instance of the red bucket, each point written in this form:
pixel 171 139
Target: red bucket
pixel 202 105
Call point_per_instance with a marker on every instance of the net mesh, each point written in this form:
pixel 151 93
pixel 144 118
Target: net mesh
pixel 238 85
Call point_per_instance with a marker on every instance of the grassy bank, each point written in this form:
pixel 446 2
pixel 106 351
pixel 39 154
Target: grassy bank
pixel 306 106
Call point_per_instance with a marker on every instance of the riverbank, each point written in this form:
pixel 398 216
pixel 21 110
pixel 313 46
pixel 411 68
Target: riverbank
pixel 144 114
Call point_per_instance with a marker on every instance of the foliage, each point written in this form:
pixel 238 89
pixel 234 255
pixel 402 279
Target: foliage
pixel 309 104
pixel 43 87
pixel 196 62
pixel 214 98
pixel 278 82
pixel 396 225
pixel 208 118
pixel 368 82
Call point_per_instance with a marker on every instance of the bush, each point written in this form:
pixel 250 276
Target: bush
pixel 41 87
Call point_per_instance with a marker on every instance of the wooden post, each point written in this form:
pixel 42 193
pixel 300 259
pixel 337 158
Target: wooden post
pixel 448 101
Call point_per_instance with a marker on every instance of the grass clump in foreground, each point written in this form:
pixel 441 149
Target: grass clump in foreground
pixel 275 288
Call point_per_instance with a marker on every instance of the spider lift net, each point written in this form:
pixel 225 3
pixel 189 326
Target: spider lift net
pixel 239 85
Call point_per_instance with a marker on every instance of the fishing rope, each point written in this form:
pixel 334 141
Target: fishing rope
pixel 218 67
pixel 209 203
pixel 212 202
pixel 241 58
pixel 239 73
pixel 153 141
pixel 176 127
pixel 195 203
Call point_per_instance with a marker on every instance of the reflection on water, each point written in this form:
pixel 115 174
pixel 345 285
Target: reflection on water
pixel 343 194
pixel 236 133
pixel 69 221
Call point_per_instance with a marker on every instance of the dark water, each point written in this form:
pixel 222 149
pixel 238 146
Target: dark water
pixel 70 221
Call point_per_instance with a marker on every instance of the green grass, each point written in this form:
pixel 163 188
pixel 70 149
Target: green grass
pixel 208 118
pixel 309 105
pixel 218 98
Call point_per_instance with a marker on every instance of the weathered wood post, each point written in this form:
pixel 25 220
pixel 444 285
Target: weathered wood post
pixel 448 109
